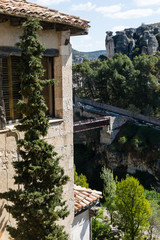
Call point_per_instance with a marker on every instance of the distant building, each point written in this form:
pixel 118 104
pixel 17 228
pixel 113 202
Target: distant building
pixel 84 200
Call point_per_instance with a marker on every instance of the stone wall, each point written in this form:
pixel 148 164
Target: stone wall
pixel 60 133
pixel 11 36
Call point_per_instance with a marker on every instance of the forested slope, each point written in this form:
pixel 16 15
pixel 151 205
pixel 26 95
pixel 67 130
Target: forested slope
pixel 121 82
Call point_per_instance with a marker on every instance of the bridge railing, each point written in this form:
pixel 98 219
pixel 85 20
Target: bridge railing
pixel 90 124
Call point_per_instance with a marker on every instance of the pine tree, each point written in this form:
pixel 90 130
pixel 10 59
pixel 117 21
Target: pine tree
pixel 37 204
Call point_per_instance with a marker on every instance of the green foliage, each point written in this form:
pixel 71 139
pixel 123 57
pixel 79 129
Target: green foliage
pixel 120 82
pixel 139 140
pixel 109 189
pixel 152 195
pixel 122 140
pixel 37 204
pixel 84 77
pixel 154 220
pixel 80 180
pixel 102 58
pixel 133 208
pixel 147 86
pixel 100 227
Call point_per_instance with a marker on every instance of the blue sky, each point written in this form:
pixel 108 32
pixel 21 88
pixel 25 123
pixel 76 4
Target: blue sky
pixel 106 15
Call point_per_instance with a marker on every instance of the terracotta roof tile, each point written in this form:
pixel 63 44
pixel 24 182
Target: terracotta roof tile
pixel 84 197
pixel 23 8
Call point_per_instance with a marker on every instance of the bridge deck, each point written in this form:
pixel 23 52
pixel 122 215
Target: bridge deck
pixel 90 124
pixel 115 111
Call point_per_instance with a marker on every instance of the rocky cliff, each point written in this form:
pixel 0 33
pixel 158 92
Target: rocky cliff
pixel 135 150
pixel 134 41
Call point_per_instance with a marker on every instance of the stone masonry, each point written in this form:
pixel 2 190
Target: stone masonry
pixel 60 133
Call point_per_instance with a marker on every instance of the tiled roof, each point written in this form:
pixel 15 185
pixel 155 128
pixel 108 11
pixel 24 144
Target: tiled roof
pixel 23 8
pixel 85 197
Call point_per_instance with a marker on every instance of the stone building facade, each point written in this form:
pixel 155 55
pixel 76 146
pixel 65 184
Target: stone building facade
pixel 57 29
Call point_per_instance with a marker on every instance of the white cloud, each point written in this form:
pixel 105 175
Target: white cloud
pixel 49 2
pixel 83 43
pixel 109 10
pixel 158 11
pixel 130 14
pixel 118 28
pixel 87 43
pixel 147 2
pixel 133 14
pixel 83 7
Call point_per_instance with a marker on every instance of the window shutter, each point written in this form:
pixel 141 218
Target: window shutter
pixel 11 87
pixel 5 87
pixel 48 92
pixel 15 85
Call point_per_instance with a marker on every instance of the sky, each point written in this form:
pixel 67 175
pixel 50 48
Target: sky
pixel 105 15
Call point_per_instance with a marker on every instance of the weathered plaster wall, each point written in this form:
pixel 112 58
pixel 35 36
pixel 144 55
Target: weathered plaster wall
pixel 81 227
pixel 11 36
pixel 64 110
pixel 8 153
pixel 60 133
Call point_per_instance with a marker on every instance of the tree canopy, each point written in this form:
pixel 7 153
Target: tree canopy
pixel 80 180
pixel 133 208
pixel 109 189
pixel 121 82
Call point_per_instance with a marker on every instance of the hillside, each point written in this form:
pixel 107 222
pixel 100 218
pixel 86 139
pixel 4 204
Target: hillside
pixel 80 56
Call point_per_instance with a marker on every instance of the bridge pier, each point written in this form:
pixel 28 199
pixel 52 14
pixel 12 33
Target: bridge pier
pixel 105 136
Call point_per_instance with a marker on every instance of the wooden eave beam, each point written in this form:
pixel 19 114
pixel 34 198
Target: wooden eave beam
pixel 74 30
pixel 3 18
pixel 78 31
pixel 16 21
pixel 48 25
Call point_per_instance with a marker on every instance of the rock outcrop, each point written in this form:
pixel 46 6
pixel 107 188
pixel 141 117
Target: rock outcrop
pixel 134 41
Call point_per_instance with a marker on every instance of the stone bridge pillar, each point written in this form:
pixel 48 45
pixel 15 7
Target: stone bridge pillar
pixel 105 136
pixel 108 133
pixel 2 106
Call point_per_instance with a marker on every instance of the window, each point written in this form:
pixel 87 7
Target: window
pixel 11 86
pixel 48 92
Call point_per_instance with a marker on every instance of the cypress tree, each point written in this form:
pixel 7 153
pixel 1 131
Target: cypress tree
pixel 37 204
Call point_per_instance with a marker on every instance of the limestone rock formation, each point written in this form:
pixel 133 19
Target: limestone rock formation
pixel 133 41
pixel 110 45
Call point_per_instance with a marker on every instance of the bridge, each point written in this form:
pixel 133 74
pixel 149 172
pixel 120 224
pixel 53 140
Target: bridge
pixel 90 124
pixel 107 119
pixel 108 110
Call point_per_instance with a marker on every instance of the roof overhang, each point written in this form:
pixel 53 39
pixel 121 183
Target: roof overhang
pixel 17 11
